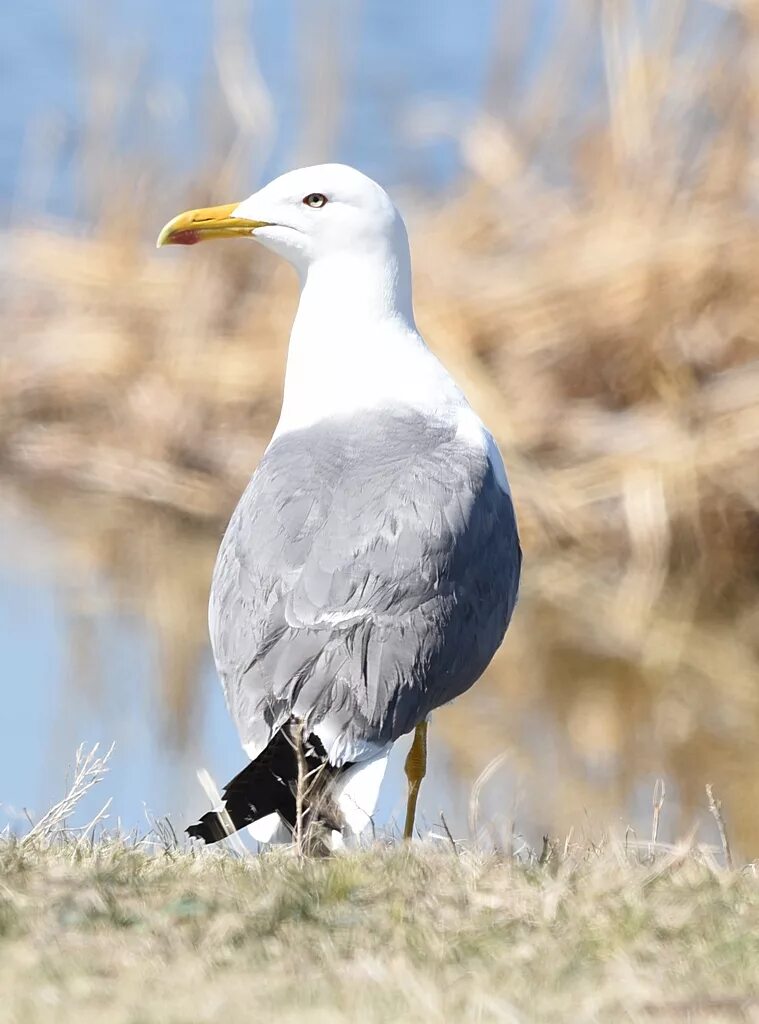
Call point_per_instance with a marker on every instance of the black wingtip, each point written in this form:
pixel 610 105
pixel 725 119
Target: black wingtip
pixel 210 829
pixel 264 786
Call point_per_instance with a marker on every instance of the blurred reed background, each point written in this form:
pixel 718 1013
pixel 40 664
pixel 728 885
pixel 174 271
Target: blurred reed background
pixel 580 181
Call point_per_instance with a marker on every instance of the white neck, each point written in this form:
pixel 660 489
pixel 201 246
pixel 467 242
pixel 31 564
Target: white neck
pixel 354 344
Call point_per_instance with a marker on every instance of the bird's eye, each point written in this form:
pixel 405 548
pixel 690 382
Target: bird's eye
pixel 315 200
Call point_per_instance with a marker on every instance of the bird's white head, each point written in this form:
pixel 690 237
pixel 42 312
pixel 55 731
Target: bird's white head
pixel 306 215
pixel 354 344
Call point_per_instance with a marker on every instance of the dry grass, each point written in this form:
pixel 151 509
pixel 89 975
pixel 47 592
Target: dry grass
pixel 110 931
pixel 103 927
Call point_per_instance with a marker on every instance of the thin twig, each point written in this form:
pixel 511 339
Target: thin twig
pixel 451 840
pixel 212 792
pixel 100 816
pixel 658 802
pixel 629 831
pixel 474 801
pixel 567 842
pixel 715 807
pixel 89 769
pixel 310 796
pixel 300 792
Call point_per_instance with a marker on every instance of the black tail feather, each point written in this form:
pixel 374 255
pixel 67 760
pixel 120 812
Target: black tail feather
pixel 268 784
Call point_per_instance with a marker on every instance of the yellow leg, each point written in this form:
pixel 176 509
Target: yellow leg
pixel 416 768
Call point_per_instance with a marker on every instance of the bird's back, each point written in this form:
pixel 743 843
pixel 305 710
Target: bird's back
pixel 367 576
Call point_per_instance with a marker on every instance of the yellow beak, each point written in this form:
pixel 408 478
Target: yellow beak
pixel 211 222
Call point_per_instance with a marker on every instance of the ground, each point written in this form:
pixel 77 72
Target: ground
pixel 110 932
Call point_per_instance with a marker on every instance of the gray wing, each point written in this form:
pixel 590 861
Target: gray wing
pixel 367 576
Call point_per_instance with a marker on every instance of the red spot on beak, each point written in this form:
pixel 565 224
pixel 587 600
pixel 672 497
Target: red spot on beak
pixel 185 238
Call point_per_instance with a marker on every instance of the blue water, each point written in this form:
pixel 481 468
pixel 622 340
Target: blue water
pixel 409 77
pixel 58 56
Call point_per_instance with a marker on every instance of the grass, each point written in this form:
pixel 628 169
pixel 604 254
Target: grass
pixel 97 926
pixel 107 931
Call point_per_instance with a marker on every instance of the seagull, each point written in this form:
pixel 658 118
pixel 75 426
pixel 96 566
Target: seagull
pixel 371 568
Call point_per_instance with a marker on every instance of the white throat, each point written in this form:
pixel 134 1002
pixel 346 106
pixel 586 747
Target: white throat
pixel 354 345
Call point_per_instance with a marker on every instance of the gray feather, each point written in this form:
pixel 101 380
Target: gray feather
pixel 367 576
